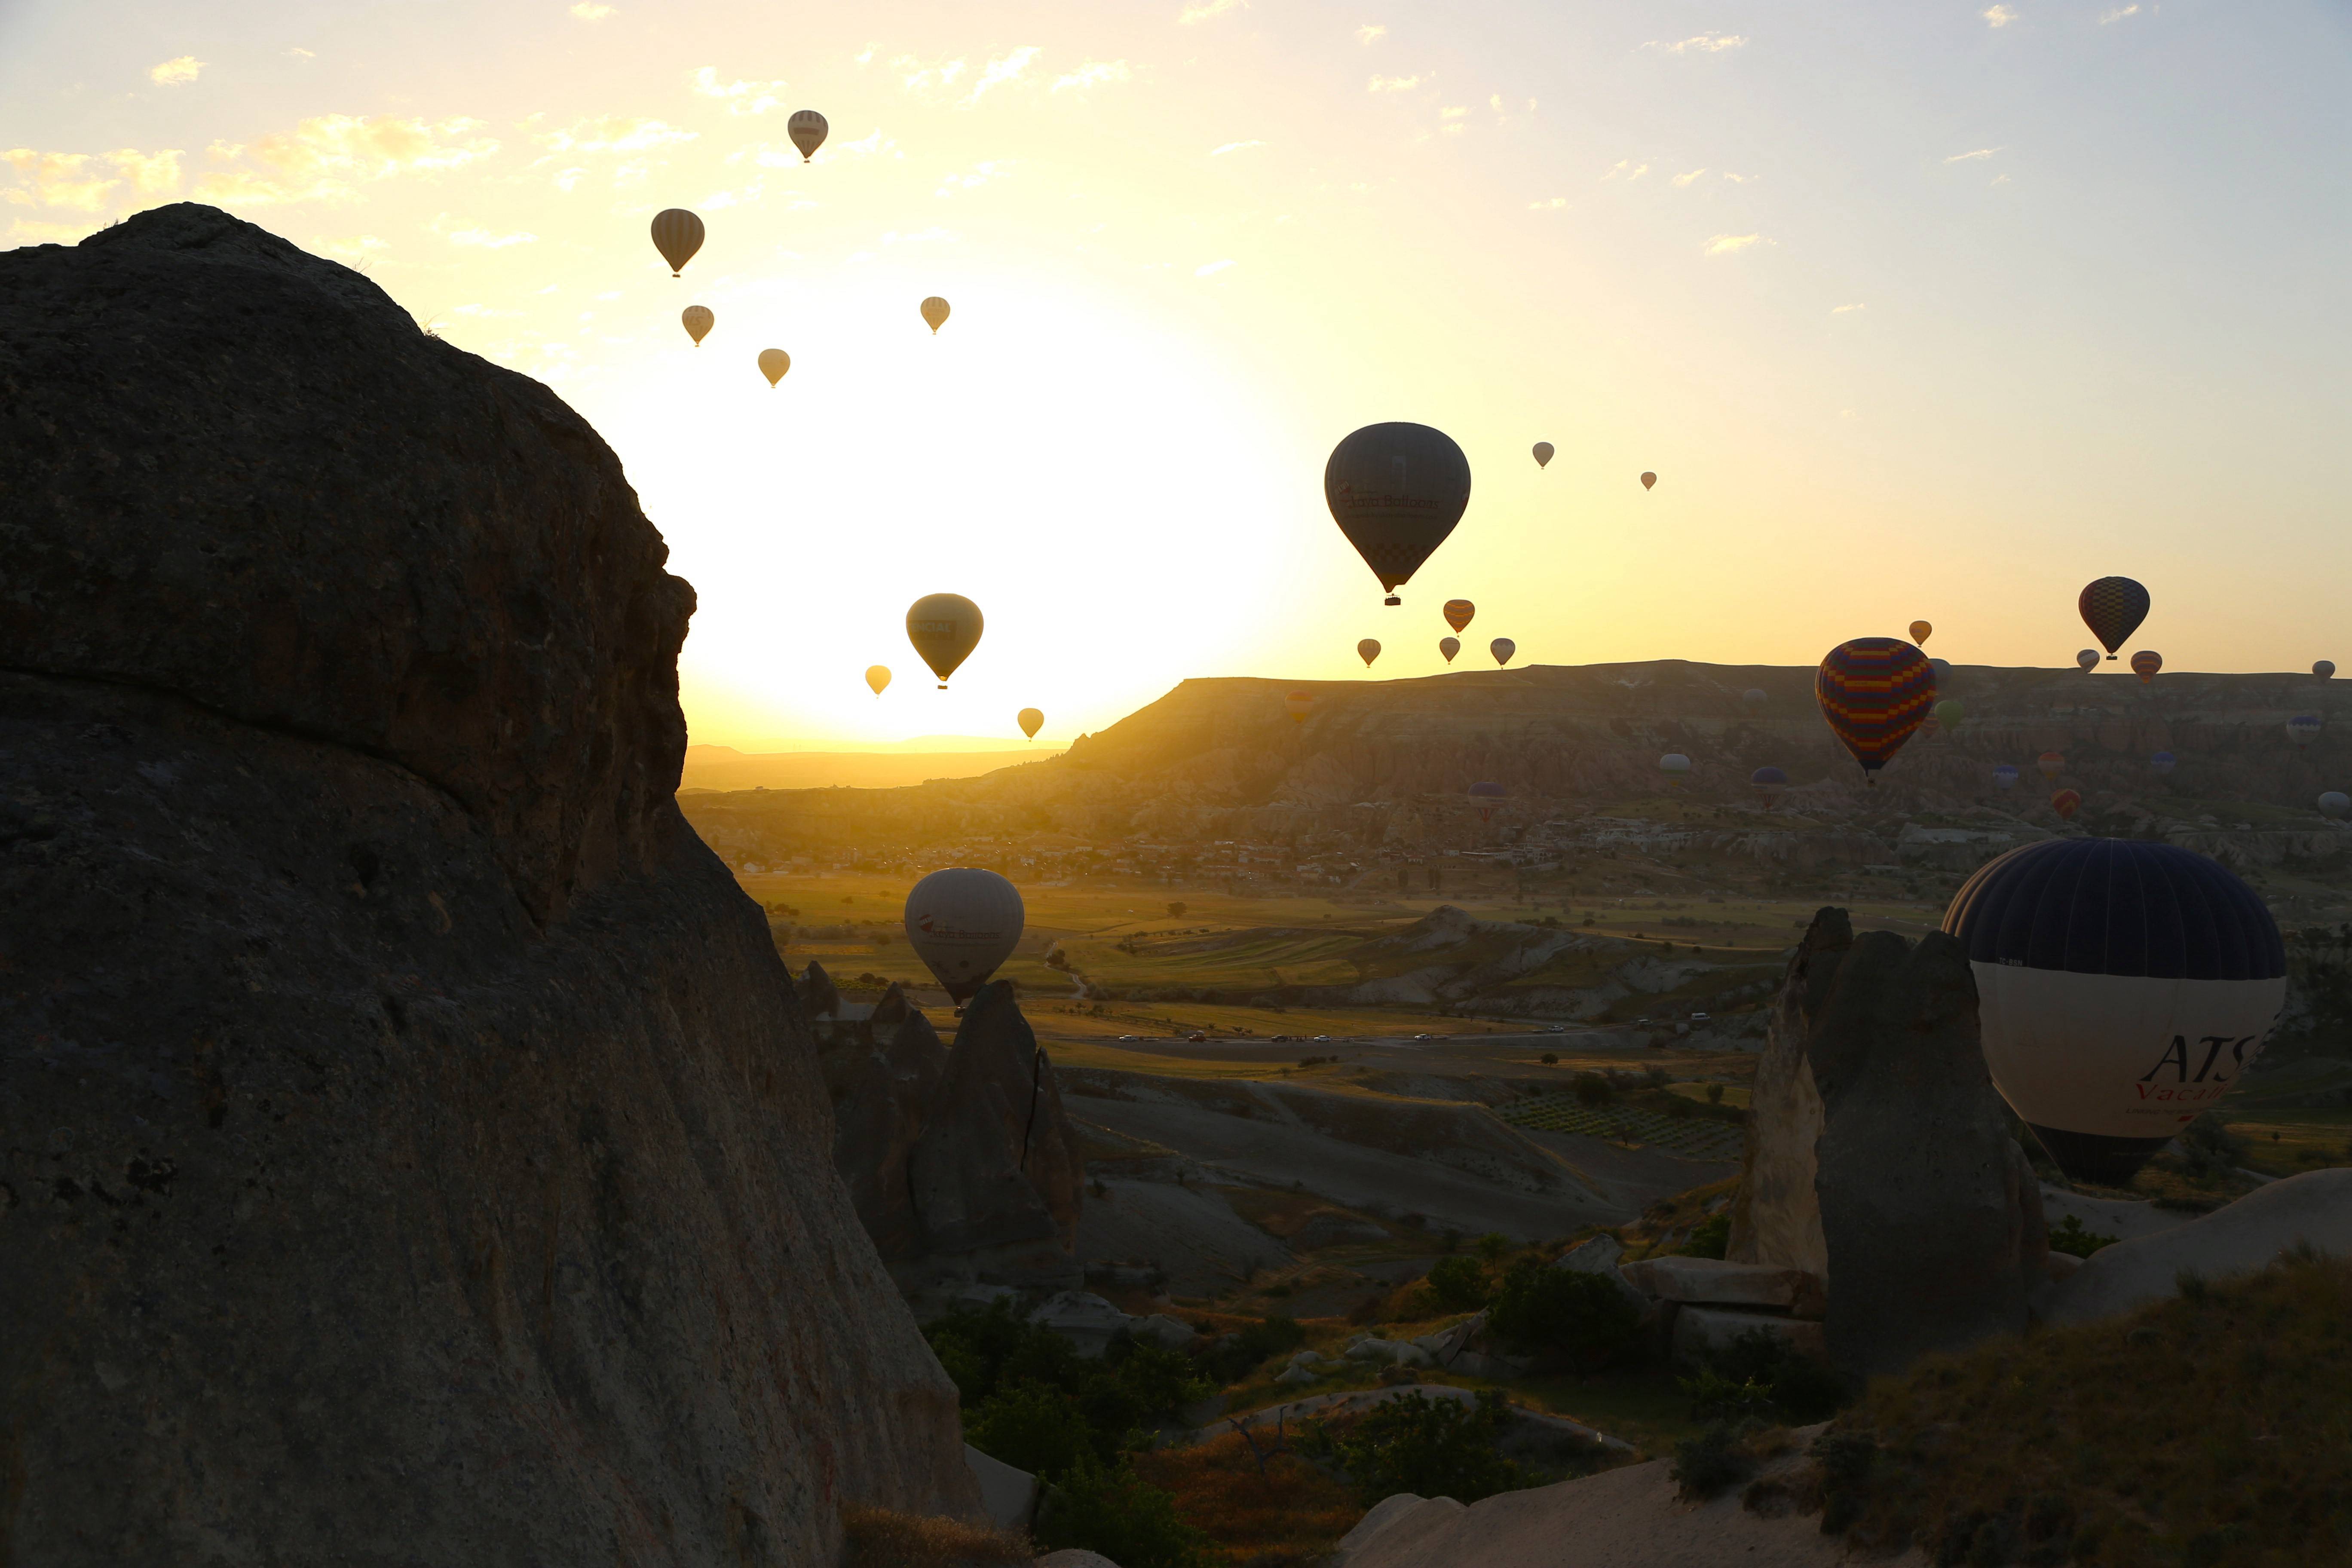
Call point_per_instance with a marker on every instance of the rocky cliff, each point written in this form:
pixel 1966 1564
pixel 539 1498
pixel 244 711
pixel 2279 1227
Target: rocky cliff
pixel 410 1146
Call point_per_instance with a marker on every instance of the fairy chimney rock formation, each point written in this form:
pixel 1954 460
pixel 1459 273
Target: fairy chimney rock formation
pixel 411 1148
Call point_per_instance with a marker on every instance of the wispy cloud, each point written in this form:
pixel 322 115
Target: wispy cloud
pixel 303 54
pixel 920 77
pixel 88 181
pixel 740 96
pixel 613 133
pixel 589 11
pixel 2117 14
pixel 328 156
pixel 1206 11
pixel 1998 15
pixel 1454 111
pixel 1212 269
pixel 1392 84
pixel 978 176
pixel 1978 156
pixel 1846 310
pixel 1371 33
pixel 1681 180
pixel 1093 73
pixel 1552 205
pixel 1704 43
pixel 1002 70
pixel 475 237
pixel 1234 147
pixel 1733 244
pixel 1627 170
pixel 171 73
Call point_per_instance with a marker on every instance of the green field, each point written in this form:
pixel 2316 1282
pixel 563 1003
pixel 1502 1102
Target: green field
pixel 1693 1137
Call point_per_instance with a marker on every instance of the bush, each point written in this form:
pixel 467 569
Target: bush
pixel 1456 1285
pixel 1714 1094
pixel 1712 1463
pixel 2069 1235
pixel 1031 1401
pixel 1592 1089
pixel 1551 1058
pixel 1760 1375
pixel 1711 1237
pixel 1563 1315
pixel 1103 1507
pixel 1236 1355
pixel 2208 1149
pixel 1416 1444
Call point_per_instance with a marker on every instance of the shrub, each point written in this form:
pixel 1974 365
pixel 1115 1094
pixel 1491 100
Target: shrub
pixel 1714 1094
pixel 1551 1058
pixel 2206 1148
pixel 1236 1355
pixel 1759 1374
pixel 885 1538
pixel 1592 1089
pixel 1494 1246
pixel 1103 1507
pixel 2069 1236
pixel 1438 1447
pixel 1712 1463
pixel 1711 1237
pixel 1563 1315
pixel 1456 1284
pixel 1031 1401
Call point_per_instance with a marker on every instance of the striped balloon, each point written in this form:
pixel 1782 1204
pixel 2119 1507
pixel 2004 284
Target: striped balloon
pixel 2112 608
pixel 678 235
pixel 1874 693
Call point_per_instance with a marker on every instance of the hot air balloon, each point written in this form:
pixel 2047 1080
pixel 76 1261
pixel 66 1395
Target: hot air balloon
pixel 1754 697
pixel 774 363
pixel 2004 776
pixel 1949 712
pixel 944 628
pixel 878 676
pixel 2163 762
pixel 1921 631
pixel 1943 672
pixel 1485 794
pixel 1874 691
pixel 2303 729
pixel 1031 720
pixel 2066 802
pixel 2088 660
pixel 2122 985
pixel 2334 802
pixel 2051 763
pixel 1298 704
pixel 1502 649
pixel 1396 492
pixel 1458 613
pixel 807 128
pixel 2325 669
pixel 1674 765
pixel 698 321
pixel 678 235
pixel 1543 454
pixel 2112 608
pixel 1449 647
pixel 2146 663
pixel 1368 651
pixel 934 312
pixel 1768 781
pixel 1648 481
pixel 962 923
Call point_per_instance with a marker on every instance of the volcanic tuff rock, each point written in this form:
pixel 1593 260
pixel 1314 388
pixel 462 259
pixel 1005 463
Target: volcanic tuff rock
pixel 410 1146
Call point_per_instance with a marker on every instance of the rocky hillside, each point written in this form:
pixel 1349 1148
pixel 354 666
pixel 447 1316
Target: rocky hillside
pixel 410 1146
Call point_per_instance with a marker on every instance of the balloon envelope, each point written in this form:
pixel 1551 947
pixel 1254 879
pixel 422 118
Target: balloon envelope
pixel 1449 647
pixel 1921 631
pixel 2051 763
pixel 1754 697
pixel 1458 613
pixel 934 312
pixel 1031 720
pixel 2065 803
pixel 962 923
pixel 2303 729
pixel 2163 762
pixel 944 628
pixel 1396 490
pixel 678 235
pixel 774 363
pixel 2004 776
pixel 697 321
pixel 1874 693
pixel 1543 454
pixel 1771 781
pixel 2146 663
pixel 878 676
pixel 1648 479
pixel 1368 651
pixel 2325 669
pixel 2336 802
pixel 1674 764
pixel 2087 660
pixel 1949 711
pixel 1298 704
pixel 1502 649
pixel 1489 791
pixel 2123 986
pixel 807 128
pixel 2112 608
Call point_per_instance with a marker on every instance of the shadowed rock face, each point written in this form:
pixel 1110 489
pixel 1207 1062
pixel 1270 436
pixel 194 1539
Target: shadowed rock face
pixel 1922 1211
pixel 410 1147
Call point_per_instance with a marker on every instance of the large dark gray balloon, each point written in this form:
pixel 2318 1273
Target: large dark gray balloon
pixel 944 628
pixel 1396 492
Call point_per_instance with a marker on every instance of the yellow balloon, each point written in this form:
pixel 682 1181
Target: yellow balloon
pixel 878 676
pixel 1368 651
pixel 935 311
pixel 678 235
pixel 1921 631
pixel 1649 480
pixel 774 363
pixel 698 321
pixel 1031 720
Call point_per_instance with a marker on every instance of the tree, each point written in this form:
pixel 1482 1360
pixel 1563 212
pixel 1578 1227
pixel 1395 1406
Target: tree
pixel 1176 908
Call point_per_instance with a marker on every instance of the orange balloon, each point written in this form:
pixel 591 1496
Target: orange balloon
pixel 1921 631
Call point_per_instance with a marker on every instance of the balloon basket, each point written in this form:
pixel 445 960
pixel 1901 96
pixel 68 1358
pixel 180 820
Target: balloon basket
pixel 1391 599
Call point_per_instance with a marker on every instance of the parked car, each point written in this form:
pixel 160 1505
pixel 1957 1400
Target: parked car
pixel 1196 1036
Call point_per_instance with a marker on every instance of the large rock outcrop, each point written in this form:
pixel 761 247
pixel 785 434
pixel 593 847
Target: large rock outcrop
pixel 410 1147
pixel 961 1161
pixel 1879 1157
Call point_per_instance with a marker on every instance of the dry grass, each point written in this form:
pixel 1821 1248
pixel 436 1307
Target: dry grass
pixel 1294 1513
pixel 2212 1430
pixel 885 1538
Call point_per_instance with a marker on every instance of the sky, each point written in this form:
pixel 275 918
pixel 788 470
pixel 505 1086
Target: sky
pixel 1932 311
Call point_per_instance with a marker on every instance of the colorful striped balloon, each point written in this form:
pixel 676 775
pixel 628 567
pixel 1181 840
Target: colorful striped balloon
pixel 2112 608
pixel 1874 693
